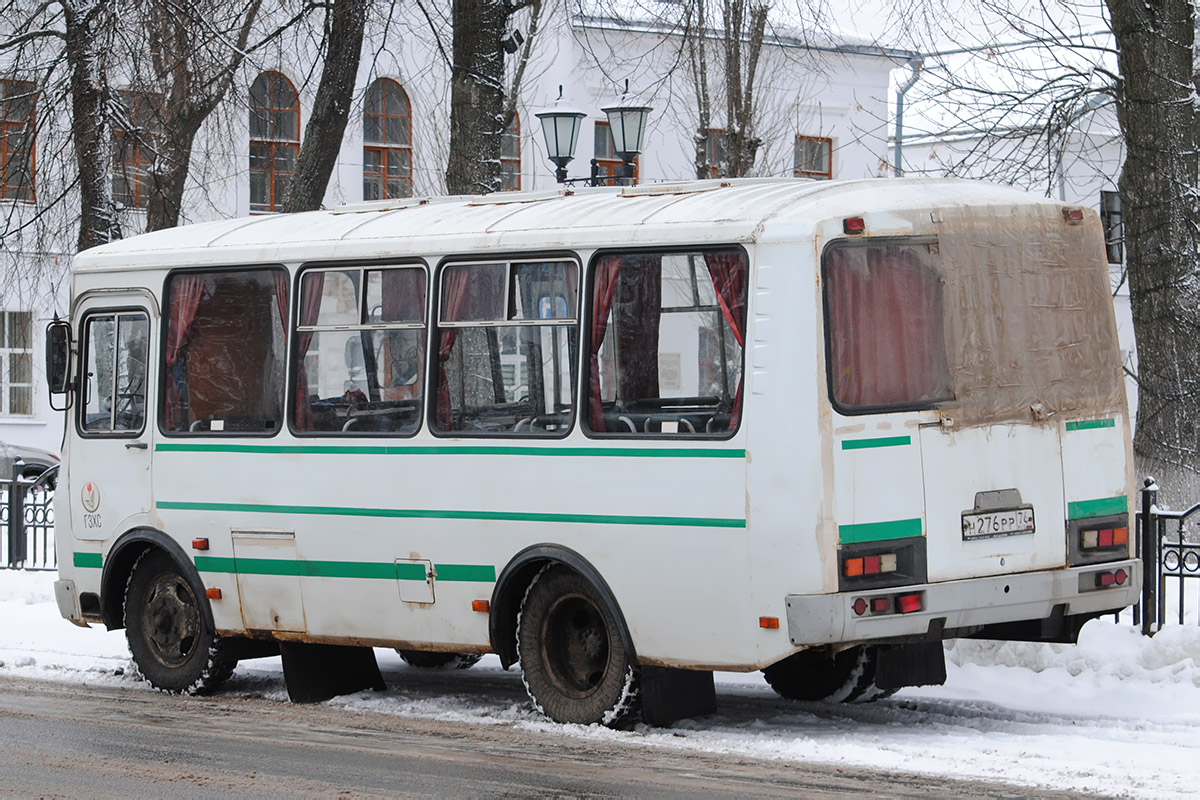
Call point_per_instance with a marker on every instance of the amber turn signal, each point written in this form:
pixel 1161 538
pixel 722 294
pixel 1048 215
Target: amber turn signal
pixel 213 594
pixel 481 606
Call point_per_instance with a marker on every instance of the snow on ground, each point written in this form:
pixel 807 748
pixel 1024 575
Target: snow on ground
pixel 1118 714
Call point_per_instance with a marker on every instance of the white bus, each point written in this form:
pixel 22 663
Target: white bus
pixel 622 437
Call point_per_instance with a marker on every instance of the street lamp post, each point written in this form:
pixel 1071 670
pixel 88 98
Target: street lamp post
pixel 560 128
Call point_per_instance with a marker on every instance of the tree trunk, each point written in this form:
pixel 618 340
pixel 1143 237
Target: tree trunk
pixel 1156 114
pixel 476 97
pixel 88 24
pixel 331 110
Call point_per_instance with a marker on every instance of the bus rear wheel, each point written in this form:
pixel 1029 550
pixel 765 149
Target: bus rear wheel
pixel 426 659
pixel 173 647
pixel 847 677
pixel 573 658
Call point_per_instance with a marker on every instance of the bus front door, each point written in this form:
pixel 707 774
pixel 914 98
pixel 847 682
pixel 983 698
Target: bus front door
pixel 111 448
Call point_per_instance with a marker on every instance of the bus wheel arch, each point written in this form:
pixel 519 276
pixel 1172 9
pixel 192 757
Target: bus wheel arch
pixel 119 564
pixel 514 582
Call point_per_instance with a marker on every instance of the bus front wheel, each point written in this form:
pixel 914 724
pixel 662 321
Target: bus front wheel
pixel 573 658
pixel 173 647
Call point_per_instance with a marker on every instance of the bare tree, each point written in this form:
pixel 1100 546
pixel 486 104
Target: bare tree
pixel 1157 114
pixel 344 25
pixel 740 34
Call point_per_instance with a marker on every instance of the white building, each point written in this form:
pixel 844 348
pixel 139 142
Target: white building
pixel 824 114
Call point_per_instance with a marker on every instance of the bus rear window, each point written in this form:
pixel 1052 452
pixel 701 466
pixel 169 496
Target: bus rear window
pixel 886 329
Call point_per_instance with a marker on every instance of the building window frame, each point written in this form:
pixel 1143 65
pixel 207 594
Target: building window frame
pixel 135 147
pixel 812 157
pixel 604 151
pixel 274 140
pixel 510 156
pixel 387 142
pixel 16 363
pixel 18 140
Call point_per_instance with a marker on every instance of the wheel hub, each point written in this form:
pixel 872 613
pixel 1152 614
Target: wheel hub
pixel 171 620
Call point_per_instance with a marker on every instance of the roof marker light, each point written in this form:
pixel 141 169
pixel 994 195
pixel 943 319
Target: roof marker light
pixel 1073 216
pixel 854 225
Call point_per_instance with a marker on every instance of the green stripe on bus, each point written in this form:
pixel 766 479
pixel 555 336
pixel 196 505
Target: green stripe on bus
pixel 417 513
pixel 386 570
pixel 87 560
pixel 454 450
pixel 885 441
pixel 1104 507
pixel 1086 424
pixel 879 531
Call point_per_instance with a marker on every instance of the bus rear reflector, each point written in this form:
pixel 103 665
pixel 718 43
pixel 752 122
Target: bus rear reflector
pixel 908 603
pixel 770 623
pixel 859 606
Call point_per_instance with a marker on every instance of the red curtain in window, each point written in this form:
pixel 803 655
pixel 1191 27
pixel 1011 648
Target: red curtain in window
pixel 604 285
pixel 887 341
pixel 403 295
pixel 728 273
pixel 457 304
pixel 311 290
pixel 637 318
pixel 186 292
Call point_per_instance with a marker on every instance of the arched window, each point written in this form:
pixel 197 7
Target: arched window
pixel 274 140
pixel 510 156
pixel 387 142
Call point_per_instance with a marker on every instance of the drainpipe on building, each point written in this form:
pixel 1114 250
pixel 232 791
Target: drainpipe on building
pixel 915 64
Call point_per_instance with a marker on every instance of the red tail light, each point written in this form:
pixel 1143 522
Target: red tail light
pixel 908 603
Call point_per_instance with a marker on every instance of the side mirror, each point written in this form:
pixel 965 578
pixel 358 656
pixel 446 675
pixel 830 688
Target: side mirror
pixel 58 357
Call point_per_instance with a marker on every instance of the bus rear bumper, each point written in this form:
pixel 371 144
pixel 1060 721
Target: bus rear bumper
pixel 970 603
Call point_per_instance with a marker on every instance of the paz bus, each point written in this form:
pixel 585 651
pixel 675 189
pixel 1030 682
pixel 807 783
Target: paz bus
pixel 622 437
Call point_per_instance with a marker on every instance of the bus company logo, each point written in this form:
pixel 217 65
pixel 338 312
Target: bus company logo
pixel 90 497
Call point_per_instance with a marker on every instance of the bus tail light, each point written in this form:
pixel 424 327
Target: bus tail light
pixel 869 565
pixel 887 604
pixel 1115 578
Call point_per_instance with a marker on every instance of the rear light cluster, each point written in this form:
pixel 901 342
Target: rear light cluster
pixel 887 604
pixel 1107 537
pixel 869 565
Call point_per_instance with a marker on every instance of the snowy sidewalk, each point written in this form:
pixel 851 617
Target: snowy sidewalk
pixel 1118 714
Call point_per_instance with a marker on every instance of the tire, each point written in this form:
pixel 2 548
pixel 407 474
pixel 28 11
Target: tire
pixel 426 659
pixel 848 677
pixel 173 648
pixel 573 658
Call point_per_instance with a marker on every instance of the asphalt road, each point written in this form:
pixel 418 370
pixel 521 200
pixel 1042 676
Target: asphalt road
pixel 65 740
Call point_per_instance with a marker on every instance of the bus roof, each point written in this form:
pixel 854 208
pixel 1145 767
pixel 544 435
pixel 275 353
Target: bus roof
pixel 699 212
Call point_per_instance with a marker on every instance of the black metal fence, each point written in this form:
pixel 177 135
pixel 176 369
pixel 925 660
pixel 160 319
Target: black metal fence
pixel 1167 556
pixel 27 521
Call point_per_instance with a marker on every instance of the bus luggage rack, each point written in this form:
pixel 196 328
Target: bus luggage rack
pixel 27 522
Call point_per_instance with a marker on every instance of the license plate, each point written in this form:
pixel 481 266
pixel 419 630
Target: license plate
pixel 986 524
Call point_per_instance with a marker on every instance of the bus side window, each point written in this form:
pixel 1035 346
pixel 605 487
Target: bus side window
pixel 666 343
pixel 360 351
pixel 114 385
pixel 507 337
pixel 224 354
